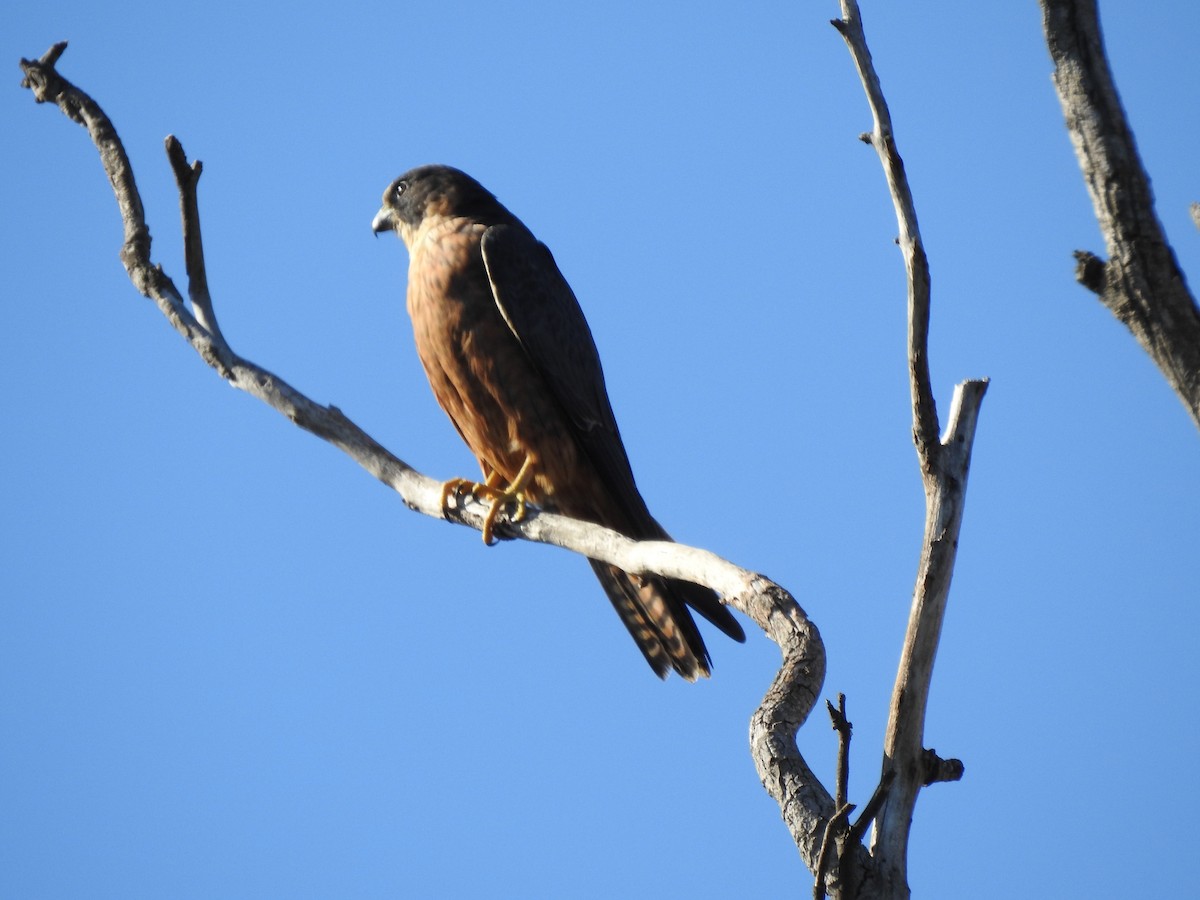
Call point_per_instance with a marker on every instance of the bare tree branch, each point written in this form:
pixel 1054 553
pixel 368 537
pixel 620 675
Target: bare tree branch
pixel 881 137
pixel 835 832
pixel 419 492
pixel 805 804
pixel 188 178
pixel 838 827
pixel 867 816
pixel 944 464
pixel 1141 282
pixel 844 729
pixel 938 769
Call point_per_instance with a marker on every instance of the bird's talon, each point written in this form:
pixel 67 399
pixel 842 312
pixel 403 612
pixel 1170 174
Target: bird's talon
pixel 454 488
pixel 489 522
pixel 500 499
pixel 485 492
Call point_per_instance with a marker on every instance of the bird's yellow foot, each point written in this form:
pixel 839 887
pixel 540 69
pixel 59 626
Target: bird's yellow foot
pixel 456 487
pixel 501 499
pixel 490 490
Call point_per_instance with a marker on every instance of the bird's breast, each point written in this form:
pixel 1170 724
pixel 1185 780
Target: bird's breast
pixel 479 372
pixel 445 269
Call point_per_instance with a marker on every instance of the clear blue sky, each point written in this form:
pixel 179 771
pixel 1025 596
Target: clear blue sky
pixel 234 665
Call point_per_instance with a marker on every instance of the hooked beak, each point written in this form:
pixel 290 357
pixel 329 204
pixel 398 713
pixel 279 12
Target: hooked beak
pixel 383 221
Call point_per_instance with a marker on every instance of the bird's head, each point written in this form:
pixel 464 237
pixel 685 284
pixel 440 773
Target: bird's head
pixel 428 193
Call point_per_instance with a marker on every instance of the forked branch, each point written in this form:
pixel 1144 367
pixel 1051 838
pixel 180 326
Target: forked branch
pixel 944 464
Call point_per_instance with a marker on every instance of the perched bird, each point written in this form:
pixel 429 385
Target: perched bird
pixel 511 360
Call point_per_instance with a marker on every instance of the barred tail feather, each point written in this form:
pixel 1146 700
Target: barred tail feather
pixel 655 612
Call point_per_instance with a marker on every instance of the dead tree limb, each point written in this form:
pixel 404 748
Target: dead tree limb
pixel 818 824
pixel 805 804
pixel 1140 282
pixel 944 464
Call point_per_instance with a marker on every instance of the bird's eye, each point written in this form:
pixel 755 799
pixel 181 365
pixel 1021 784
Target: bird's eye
pixel 401 187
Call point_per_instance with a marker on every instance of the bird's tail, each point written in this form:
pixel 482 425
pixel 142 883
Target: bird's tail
pixel 655 610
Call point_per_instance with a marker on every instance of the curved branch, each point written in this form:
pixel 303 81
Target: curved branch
pixel 804 802
pixel 1141 282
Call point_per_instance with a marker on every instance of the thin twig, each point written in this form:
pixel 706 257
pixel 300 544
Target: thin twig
pixel 48 86
pixel 863 822
pixel 834 827
pixel 882 138
pixel 187 179
pixel 844 729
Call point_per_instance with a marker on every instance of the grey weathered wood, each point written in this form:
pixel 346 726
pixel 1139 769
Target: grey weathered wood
pixel 1140 282
pixel 944 463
